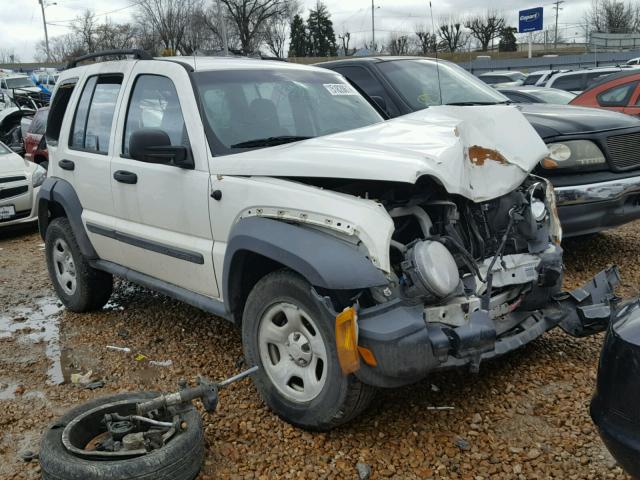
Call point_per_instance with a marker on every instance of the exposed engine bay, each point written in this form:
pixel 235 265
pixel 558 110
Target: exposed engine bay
pixel 457 256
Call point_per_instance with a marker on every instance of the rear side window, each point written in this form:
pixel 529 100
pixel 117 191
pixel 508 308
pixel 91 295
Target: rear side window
pixel 154 104
pixel 59 104
pixel 617 96
pixel 39 122
pixel 569 82
pixel 91 130
pixel 531 79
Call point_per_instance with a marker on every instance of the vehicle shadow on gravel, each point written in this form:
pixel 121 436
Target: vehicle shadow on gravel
pixel 16 231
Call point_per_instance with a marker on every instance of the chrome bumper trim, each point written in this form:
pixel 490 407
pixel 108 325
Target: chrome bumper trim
pixel 597 192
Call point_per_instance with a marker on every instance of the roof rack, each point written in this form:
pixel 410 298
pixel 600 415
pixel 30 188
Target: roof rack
pixel 135 52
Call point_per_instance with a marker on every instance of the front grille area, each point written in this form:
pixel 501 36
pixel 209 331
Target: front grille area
pixel 12 192
pixel 17 178
pixel 624 151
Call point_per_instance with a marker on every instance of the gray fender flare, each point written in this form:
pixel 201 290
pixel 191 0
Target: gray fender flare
pixel 322 259
pixel 57 190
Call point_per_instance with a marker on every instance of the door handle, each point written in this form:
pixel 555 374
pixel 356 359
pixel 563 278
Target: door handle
pixel 67 165
pixel 123 176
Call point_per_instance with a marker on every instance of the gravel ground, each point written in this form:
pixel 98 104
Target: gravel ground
pixel 523 416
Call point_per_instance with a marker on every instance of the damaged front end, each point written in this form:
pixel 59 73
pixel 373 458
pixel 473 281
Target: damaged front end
pixel 471 281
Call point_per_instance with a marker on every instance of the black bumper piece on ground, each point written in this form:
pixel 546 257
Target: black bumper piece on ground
pixel 615 407
pixel 407 348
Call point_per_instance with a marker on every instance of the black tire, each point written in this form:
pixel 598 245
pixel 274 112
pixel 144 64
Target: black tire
pixel 342 397
pixel 180 459
pixel 92 288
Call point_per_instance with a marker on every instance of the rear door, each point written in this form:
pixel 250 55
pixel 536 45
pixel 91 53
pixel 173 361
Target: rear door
pixel 85 148
pixel 163 225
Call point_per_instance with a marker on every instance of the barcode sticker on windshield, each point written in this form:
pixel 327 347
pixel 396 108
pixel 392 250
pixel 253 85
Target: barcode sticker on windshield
pixel 340 89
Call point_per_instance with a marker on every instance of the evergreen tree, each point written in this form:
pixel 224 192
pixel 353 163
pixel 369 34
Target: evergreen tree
pixel 322 38
pixel 298 46
pixel 508 41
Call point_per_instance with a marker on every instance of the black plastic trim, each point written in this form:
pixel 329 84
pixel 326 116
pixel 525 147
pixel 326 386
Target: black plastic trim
pixel 197 300
pixel 137 53
pixel 57 190
pixel 157 247
pixel 322 259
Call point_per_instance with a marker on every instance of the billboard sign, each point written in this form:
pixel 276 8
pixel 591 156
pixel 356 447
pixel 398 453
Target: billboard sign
pixel 530 20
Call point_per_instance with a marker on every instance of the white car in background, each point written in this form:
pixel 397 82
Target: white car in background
pixel 20 182
pixel 507 78
pixel 540 77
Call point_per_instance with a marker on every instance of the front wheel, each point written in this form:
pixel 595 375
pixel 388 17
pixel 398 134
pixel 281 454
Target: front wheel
pixel 292 339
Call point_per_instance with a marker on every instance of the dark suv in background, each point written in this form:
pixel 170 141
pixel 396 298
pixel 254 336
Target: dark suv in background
pixel 594 156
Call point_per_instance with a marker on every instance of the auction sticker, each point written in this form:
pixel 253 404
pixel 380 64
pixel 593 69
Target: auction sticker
pixel 340 89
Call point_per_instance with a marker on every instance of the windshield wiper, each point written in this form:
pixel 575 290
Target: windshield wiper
pixel 470 104
pixel 269 141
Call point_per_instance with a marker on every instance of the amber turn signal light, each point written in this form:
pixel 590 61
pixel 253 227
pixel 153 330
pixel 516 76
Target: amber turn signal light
pixel 347 340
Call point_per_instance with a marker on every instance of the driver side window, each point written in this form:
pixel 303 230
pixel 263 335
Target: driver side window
pixel 154 104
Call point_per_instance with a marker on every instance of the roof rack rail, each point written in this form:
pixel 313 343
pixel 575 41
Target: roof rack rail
pixel 136 52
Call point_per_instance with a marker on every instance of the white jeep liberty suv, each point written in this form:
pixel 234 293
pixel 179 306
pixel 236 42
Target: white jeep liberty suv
pixel 353 252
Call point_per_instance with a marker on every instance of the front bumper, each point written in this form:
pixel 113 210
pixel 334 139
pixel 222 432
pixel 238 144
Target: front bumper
pixel 585 209
pixel 407 348
pixel 25 207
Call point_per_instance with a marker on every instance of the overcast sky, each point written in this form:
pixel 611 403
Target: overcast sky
pixel 21 20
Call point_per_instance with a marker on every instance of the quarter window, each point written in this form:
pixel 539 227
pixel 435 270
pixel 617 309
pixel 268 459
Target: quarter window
pixel 154 104
pixel 617 96
pixel 93 120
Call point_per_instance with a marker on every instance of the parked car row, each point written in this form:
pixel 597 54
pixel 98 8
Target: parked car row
pixel 364 224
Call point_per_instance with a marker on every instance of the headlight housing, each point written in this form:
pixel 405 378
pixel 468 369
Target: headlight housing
pixel 38 176
pixel 576 154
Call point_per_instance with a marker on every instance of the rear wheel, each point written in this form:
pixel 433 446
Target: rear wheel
pixel 79 286
pixel 292 339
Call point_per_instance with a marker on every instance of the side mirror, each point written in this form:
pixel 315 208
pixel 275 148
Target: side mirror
pixel 153 145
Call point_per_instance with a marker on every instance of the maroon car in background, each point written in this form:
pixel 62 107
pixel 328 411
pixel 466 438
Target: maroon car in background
pixel 35 147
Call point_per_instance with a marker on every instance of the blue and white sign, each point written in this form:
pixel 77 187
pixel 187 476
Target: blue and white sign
pixel 530 20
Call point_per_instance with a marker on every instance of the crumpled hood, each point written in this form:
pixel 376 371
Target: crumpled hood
pixel 555 120
pixel 479 152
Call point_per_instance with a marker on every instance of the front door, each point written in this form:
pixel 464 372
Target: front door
pixel 162 210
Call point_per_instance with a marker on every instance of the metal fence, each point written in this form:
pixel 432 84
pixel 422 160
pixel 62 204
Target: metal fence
pixel 585 60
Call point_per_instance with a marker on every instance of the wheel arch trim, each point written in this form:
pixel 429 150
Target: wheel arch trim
pixel 58 191
pixel 323 260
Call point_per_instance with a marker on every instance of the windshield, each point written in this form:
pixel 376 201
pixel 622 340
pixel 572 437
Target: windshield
pixel 547 95
pixel 417 82
pixel 259 108
pixel 20 82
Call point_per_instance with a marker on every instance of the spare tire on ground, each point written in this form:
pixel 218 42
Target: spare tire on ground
pixel 179 459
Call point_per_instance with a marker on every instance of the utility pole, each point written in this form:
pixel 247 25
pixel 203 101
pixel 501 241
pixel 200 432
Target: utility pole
pixel 46 35
pixel 556 5
pixel 223 31
pixel 373 26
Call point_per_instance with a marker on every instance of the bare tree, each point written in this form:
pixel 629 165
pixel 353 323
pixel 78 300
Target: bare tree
pixel 452 34
pixel 250 18
pixel 427 41
pixel 84 29
pixel 613 16
pixel 61 48
pixel 169 18
pixel 485 27
pixel 112 36
pixel 398 44
pixel 276 32
pixel 345 38
pixel 8 55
